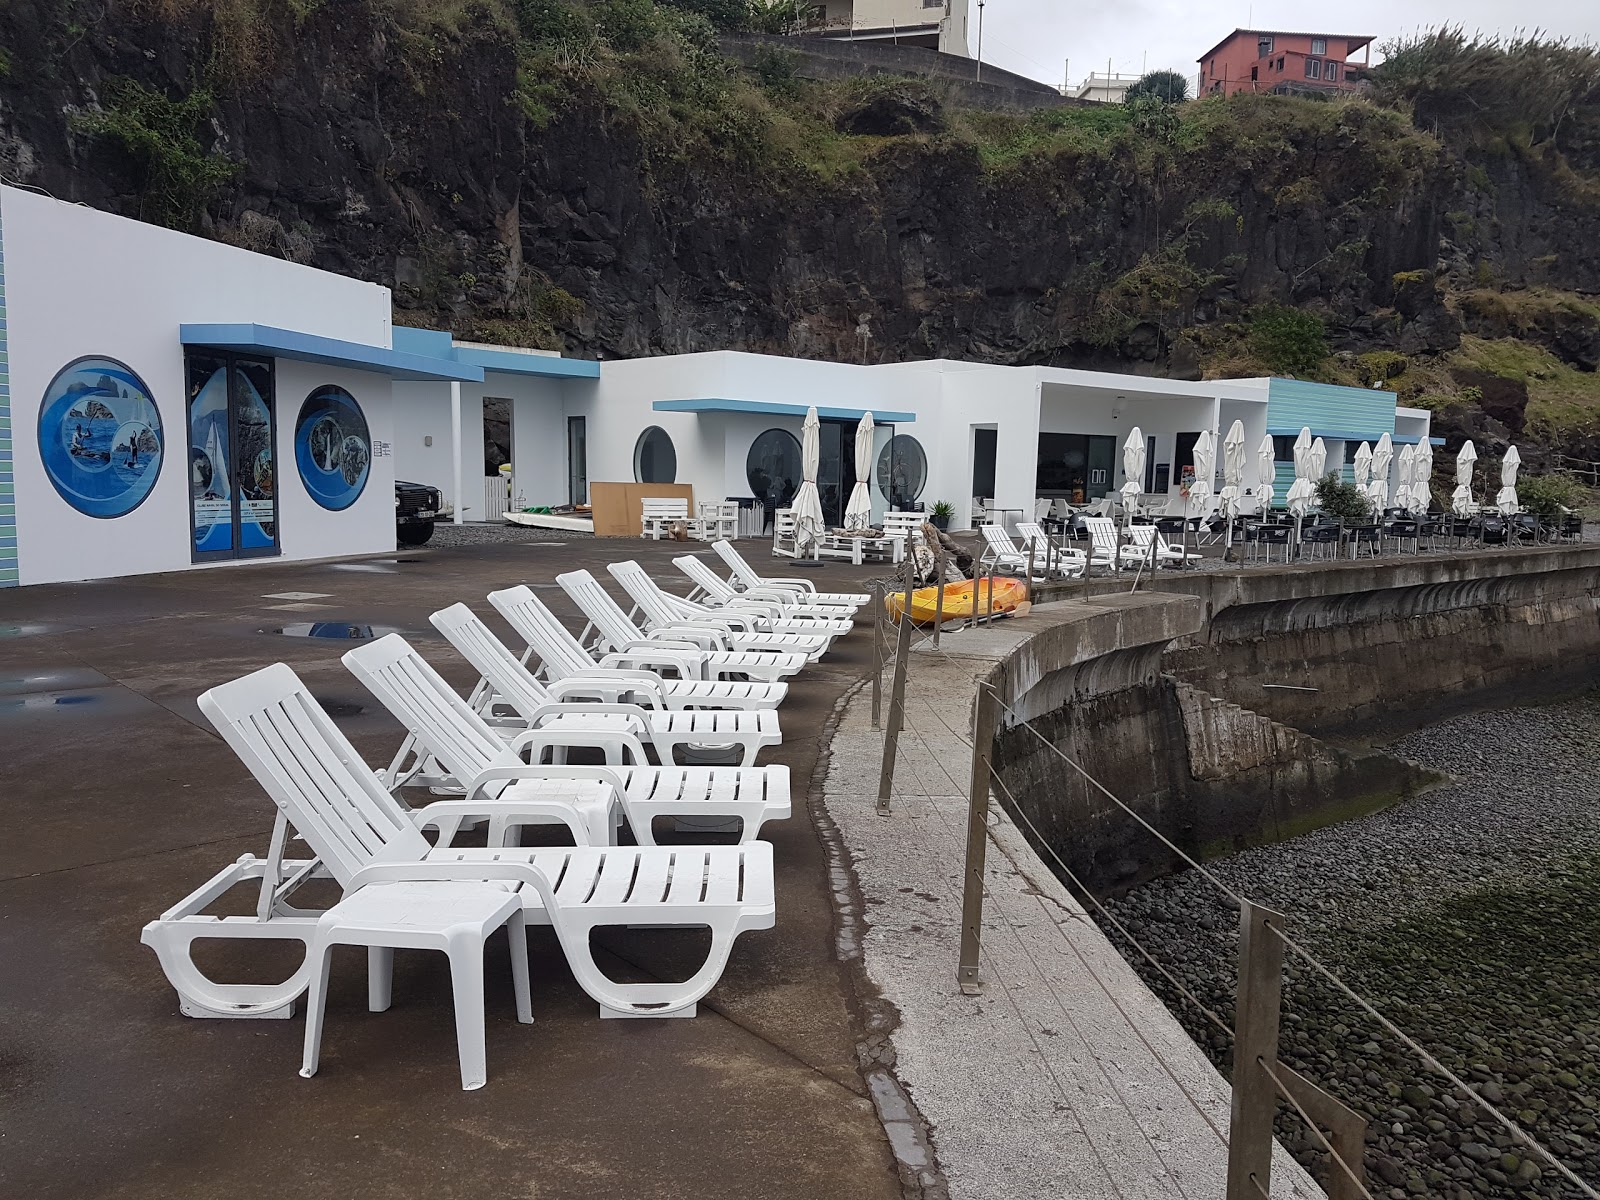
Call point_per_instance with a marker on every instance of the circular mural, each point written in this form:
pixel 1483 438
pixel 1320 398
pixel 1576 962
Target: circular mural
pixel 100 437
pixel 332 447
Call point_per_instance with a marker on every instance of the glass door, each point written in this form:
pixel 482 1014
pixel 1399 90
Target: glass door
pixel 233 489
pixel 577 460
pixel 832 488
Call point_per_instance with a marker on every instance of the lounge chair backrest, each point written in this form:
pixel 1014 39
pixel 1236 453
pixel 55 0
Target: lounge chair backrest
pixel 999 541
pixel 428 707
pixel 512 682
pixel 558 650
pixel 1144 536
pixel 658 606
pixel 703 577
pixel 312 772
pixel 1032 531
pixel 1103 532
pixel 742 570
pixel 614 625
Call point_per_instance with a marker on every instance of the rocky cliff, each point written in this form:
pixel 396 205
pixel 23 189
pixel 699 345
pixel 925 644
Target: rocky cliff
pixel 601 177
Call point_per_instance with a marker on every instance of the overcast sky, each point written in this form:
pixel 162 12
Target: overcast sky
pixel 1037 37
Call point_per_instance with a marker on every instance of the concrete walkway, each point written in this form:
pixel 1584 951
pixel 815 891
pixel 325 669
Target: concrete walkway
pixel 1068 1077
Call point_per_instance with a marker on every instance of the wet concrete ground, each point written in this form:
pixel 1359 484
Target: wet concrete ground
pixel 121 799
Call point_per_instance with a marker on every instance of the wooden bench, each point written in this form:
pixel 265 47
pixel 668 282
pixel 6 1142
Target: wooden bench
pixel 660 514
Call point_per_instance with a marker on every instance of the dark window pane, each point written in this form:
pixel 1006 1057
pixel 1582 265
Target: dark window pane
pixel 773 468
pixel 654 460
pixel 902 470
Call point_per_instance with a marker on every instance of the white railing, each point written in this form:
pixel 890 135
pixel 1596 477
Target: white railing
pixel 497 492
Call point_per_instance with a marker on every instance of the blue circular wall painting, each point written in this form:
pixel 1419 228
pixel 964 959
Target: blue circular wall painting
pixel 332 447
pixel 100 437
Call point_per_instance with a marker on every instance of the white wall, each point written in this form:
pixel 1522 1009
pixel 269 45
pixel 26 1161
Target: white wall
pixel 81 282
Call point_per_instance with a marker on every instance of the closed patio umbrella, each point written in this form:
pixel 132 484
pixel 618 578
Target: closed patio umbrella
pixel 1362 467
pixel 1232 475
pixel 1318 460
pixel 1133 462
pixel 1506 501
pixel 1301 490
pixel 1267 474
pixel 1205 470
pixel 1461 498
pixel 1378 488
pixel 858 514
pixel 1407 472
pixel 807 504
pixel 1422 477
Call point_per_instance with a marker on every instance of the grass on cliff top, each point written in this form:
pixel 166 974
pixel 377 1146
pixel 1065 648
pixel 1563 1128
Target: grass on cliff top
pixel 1562 400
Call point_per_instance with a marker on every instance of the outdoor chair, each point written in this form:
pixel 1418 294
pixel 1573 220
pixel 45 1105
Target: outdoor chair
pixel 749 625
pixel 717 593
pixel 1572 527
pixel 752 656
pixel 1369 536
pixel 571 673
pixel 1106 548
pixel 1401 529
pixel 362 838
pixel 1433 527
pixel 471 753
pixel 1153 550
pixel 512 695
pixel 718 519
pixel 1320 539
pixel 1262 538
pixel 1067 561
pixel 659 514
pixel 999 551
pixel 1494 530
pixel 748 580
pixel 785 544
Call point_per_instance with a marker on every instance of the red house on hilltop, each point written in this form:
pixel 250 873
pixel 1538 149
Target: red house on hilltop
pixel 1269 60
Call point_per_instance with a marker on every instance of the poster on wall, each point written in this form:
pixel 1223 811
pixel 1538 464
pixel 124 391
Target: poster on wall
pixel 100 437
pixel 332 447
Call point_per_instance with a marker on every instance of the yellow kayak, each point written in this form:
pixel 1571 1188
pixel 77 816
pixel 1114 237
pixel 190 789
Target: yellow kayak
pixel 1000 594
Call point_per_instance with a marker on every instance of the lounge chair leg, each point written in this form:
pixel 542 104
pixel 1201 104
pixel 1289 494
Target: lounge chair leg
pixel 316 1007
pixel 466 978
pixel 380 977
pixel 517 935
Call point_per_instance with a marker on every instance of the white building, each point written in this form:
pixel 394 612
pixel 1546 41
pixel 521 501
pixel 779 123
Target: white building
pixel 935 24
pixel 1104 89
pixel 168 402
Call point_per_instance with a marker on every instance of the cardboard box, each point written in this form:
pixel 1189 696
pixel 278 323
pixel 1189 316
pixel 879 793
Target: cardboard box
pixel 618 506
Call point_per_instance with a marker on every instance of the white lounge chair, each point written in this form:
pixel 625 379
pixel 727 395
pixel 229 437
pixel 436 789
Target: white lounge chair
pixel 471 753
pixel 1068 560
pixel 615 631
pixel 363 838
pixel 717 593
pixel 750 625
pixel 1105 545
pixel 751 581
pixel 510 685
pixel 570 672
pixel 1151 549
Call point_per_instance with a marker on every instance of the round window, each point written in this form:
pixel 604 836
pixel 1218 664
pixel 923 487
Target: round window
pixel 100 437
pixel 332 447
pixel 772 468
pixel 654 460
pixel 902 470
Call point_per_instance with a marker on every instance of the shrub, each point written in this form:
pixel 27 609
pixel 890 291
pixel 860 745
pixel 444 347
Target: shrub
pixel 1379 366
pixel 724 14
pixel 1289 341
pixel 1546 495
pixel 1340 498
pixel 1167 86
pixel 779 16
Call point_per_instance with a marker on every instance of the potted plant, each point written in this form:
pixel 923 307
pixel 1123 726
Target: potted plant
pixel 941 514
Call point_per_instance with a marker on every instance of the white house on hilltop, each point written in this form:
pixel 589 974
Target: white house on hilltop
pixel 934 24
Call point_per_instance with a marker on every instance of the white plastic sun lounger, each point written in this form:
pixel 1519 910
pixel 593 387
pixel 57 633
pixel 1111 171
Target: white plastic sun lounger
pixel 1105 550
pixel 616 631
pixel 742 573
pixel 1068 560
pixel 748 628
pixel 361 837
pixel 570 672
pixel 717 593
pixel 512 686
pixel 1150 548
pixel 999 552
pixel 472 754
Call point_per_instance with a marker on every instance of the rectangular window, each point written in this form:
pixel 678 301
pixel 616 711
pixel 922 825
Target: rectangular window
pixel 1319 45
pixel 1330 72
pixel 1313 68
pixel 1254 73
pixel 1280 62
pixel 1283 449
pixel 1264 47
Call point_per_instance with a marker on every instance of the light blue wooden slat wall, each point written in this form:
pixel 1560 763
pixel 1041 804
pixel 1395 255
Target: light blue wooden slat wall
pixel 1328 408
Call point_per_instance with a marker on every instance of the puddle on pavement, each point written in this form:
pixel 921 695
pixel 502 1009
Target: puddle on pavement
pixel 33 628
pixel 338 706
pixel 95 702
pixel 338 631
pixel 60 679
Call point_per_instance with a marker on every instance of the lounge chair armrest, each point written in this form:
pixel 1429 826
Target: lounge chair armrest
pixel 477 872
pixel 589 708
pixel 492 775
pixel 597 739
pixel 804 585
pixel 698 638
pixel 765 610
pixel 689 663
pixel 609 686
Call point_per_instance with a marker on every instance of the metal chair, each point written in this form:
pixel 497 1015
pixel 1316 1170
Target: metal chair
pixel 1259 537
pixel 1402 529
pixel 1322 537
pixel 1369 536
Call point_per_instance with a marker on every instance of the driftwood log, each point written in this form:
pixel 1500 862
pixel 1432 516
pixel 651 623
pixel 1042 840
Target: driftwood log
pixel 925 557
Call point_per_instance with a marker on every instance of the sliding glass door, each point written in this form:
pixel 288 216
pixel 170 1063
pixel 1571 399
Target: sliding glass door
pixel 233 478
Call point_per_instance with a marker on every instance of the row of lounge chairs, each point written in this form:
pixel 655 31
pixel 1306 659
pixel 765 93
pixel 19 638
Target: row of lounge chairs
pixel 1146 548
pixel 680 679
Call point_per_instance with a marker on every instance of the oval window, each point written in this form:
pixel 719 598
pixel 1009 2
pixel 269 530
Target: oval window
pixel 772 468
pixel 654 460
pixel 902 470
pixel 332 447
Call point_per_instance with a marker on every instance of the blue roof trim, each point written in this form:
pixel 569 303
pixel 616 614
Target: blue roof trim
pixel 330 352
pixel 435 343
pixel 774 409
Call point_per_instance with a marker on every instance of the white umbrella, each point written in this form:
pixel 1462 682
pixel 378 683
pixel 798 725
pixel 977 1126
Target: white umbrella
pixel 1362 467
pixel 1461 498
pixel 858 514
pixel 1267 474
pixel 1407 472
pixel 1318 460
pixel 1378 489
pixel 1422 477
pixel 1301 490
pixel 1133 461
pixel 1233 469
pixel 808 521
pixel 1205 470
pixel 1506 501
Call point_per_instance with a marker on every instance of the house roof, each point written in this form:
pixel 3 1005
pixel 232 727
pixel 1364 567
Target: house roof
pixel 270 341
pixel 1356 40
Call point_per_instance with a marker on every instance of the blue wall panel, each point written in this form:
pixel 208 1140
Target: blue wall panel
pixel 1329 409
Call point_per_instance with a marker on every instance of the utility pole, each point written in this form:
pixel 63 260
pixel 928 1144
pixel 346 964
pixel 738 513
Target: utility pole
pixel 980 41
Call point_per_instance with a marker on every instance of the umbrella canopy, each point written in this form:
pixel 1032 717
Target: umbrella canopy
pixel 1461 498
pixel 858 514
pixel 1422 477
pixel 1378 488
pixel 1205 470
pixel 1317 460
pixel 1266 473
pixel 1301 490
pixel 1233 469
pixel 1363 465
pixel 1133 462
pixel 1407 471
pixel 1506 501
pixel 807 504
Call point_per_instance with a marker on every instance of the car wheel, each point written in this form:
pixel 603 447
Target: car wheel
pixel 416 533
